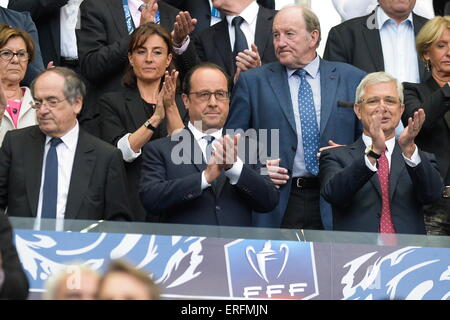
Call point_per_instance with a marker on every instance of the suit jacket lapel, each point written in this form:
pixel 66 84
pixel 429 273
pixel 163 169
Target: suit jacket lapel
pixel 397 166
pixel 418 24
pixel 134 105
pixel 33 169
pixel 222 42
pixel 280 86
pixel 263 29
pixel 83 164
pixel 118 15
pixel 328 85
pixel 373 43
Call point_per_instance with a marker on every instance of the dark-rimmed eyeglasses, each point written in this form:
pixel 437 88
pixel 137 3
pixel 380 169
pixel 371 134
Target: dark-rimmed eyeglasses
pixel 7 55
pixel 376 101
pixel 220 95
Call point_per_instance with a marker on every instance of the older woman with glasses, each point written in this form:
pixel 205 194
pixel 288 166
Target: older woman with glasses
pixel 146 109
pixel 16 51
pixel 433 95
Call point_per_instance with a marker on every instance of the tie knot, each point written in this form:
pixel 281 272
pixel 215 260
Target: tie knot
pixel 237 21
pixel 209 139
pixel 300 72
pixel 55 141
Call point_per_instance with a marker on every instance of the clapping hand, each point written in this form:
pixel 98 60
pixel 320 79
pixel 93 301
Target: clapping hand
pixel 184 25
pixel 406 139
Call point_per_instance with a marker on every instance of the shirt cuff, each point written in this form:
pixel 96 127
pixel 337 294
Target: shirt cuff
pixel 128 154
pixel 183 48
pixel 205 183
pixel 234 173
pixel 415 158
pixel 370 165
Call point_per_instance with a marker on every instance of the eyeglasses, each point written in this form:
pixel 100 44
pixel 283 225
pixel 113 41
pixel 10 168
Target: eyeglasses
pixel 376 101
pixel 7 55
pixel 51 103
pixel 206 95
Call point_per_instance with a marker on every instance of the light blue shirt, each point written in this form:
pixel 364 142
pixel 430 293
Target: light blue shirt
pixel 399 47
pixel 313 78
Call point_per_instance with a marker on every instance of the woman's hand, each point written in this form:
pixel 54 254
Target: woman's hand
pixel 169 89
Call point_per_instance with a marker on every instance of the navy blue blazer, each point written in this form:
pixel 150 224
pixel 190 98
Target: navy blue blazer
pixel 173 191
pixel 22 20
pixel 355 194
pixel 262 100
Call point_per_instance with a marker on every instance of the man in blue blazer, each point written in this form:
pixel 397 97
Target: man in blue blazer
pixel 199 175
pixel 268 98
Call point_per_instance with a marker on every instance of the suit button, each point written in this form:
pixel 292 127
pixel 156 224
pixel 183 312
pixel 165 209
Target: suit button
pixel 218 208
pixel 294 148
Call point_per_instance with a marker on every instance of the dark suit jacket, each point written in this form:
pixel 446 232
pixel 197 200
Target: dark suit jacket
pixel 102 49
pixel 15 284
pixel 121 113
pixel 355 194
pixel 434 136
pixel 262 100
pixel 354 43
pixel 173 191
pixel 97 186
pixel 213 44
pixel 201 10
pixel 22 20
pixel 46 16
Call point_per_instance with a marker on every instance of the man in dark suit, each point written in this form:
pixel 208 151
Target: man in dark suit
pixel 102 42
pixel 46 15
pixel 202 11
pixel 198 176
pixel 378 184
pixel 55 169
pixel 380 41
pixel 22 20
pixel 268 98
pixel 13 281
pixel 217 44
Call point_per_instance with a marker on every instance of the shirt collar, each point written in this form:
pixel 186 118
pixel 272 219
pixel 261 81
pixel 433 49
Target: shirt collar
pixel 198 135
pixel 312 68
pixel 390 144
pixel 135 4
pixel 70 139
pixel 383 18
pixel 249 14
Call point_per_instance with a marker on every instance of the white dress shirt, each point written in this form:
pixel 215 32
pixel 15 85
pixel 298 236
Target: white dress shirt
pixel 233 174
pixel 313 78
pixel 69 21
pixel 248 27
pixel 390 144
pixel 66 154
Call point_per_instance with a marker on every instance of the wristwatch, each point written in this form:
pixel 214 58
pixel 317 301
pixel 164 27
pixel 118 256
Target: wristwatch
pixel 148 125
pixel 370 153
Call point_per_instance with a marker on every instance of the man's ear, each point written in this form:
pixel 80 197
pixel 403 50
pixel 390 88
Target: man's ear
pixel 357 108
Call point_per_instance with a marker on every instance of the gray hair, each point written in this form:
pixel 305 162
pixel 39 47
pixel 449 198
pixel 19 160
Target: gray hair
pixel 54 282
pixel 73 85
pixel 375 78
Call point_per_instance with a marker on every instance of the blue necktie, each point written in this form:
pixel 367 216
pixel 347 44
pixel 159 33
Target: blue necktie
pixel 308 119
pixel 240 42
pixel 209 147
pixel 50 192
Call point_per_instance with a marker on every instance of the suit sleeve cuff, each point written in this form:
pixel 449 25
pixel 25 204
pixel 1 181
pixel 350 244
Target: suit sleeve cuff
pixel 234 173
pixel 415 158
pixel 183 48
pixel 205 183
pixel 128 154
pixel 369 164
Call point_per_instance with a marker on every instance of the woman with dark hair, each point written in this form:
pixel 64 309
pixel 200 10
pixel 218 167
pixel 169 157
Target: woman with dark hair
pixel 146 109
pixel 16 51
pixel 433 95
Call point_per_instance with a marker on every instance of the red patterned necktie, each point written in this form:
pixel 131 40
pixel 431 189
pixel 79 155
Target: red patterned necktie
pixel 386 225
